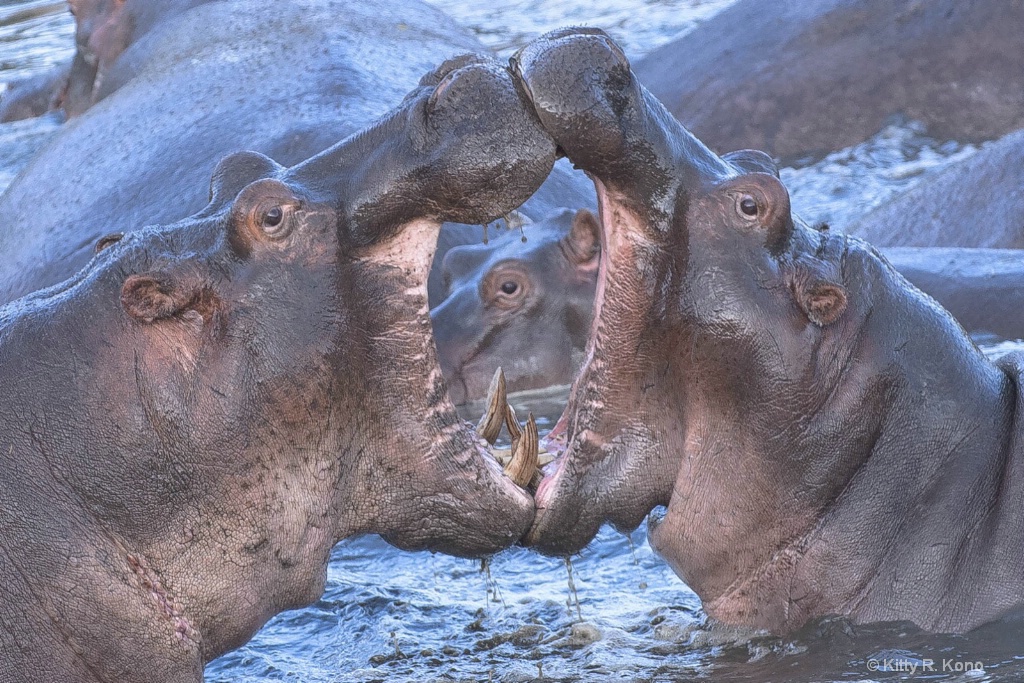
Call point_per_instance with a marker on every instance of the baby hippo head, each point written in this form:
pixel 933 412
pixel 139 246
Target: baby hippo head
pixel 521 302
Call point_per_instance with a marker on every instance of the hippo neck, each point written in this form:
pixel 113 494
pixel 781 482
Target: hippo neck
pixel 917 531
pixel 918 504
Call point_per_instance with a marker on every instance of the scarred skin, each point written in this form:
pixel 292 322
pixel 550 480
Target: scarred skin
pixel 826 439
pixel 524 307
pixel 799 79
pixel 189 424
pixel 976 202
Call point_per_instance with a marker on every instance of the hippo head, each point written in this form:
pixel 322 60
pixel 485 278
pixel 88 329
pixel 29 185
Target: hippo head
pixel 712 302
pixel 523 307
pixel 268 362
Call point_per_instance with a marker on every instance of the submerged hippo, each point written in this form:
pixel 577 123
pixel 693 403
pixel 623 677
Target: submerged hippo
pixel 798 77
pixel 976 202
pixel 826 439
pixel 524 307
pixel 104 30
pixel 192 422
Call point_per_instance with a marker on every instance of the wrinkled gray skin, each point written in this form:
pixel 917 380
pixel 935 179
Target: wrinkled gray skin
pixel 524 307
pixel 189 424
pixel 800 78
pixel 198 83
pixel 826 439
pixel 977 202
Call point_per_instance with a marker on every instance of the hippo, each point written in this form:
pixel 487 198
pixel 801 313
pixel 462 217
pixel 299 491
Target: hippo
pixel 976 202
pixel 104 30
pixel 140 156
pixel 799 79
pixel 193 420
pixel 826 440
pixel 522 307
pixel 981 288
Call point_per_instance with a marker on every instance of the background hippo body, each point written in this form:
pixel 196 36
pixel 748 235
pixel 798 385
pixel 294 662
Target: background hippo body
pixel 535 331
pixel 798 78
pixel 978 202
pixel 979 287
pixel 285 79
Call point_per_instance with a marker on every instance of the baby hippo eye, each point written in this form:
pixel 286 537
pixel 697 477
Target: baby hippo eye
pixel 509 287
pixel 748 206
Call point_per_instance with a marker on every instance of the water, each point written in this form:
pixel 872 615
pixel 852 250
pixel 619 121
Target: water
pixel 393 616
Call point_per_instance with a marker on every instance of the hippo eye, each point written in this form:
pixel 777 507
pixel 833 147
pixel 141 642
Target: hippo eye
pixel 273 217
pixel 748 206
pixel 506 288
pixel 273 223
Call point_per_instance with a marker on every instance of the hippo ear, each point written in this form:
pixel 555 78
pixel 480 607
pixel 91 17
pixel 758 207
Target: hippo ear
pixel 818 295
pixel 583 243
pixel 235 171
pixel 823 303
pixel 752 161
pixel 158 295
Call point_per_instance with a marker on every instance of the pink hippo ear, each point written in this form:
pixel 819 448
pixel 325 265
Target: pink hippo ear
pixel 583 243
pixel 822 302
pixel 817 291
pixel 158 295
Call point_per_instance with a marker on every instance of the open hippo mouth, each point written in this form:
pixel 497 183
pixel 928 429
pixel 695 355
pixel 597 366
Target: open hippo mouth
pixel 610 454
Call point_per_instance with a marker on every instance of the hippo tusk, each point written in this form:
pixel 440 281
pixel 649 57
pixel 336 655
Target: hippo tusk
pixel 523 467
pixel 512 422
pixel 490 424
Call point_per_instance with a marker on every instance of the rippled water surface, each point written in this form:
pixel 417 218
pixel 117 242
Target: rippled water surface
pixel 623 615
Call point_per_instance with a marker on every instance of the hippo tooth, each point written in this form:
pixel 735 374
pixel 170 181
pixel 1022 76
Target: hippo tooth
pixel 514 431
pixel 524 455
pixel 490 424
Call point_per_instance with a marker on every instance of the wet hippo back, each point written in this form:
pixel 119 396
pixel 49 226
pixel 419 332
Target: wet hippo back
pixel 978 202
pixel 284 79
pixel 795 77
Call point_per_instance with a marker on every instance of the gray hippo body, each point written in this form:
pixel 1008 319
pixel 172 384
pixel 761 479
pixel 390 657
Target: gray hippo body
pixel 284 79
pixel 800 78
pixel 977 202
pixel 198 80
pixel 981 288
pixel 826 439
pixel 192 421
